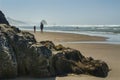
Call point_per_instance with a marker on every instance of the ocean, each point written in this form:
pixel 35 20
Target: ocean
pixel 112 32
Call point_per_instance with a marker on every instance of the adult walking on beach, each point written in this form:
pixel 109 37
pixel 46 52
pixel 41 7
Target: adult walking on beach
pixel 41 26
pixel 34 29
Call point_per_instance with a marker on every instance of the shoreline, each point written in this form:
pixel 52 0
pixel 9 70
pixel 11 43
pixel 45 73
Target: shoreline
pixel 84 38
pixel 103 39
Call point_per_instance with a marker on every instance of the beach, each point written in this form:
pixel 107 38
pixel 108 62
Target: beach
pixel 59 40
pixel 109 53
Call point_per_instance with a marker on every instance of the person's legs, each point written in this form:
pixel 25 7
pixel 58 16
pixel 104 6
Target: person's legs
pixel 42 30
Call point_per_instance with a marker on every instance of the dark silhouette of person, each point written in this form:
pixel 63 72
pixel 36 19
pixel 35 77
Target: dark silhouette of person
pixel 41 27
pixel 34 29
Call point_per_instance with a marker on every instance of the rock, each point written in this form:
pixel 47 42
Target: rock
pixel 60 47
pixel 63 65
pixel 41 61
pixel 8 63
pixel 3 20
pixel 69 58
pixel 41 50
pixel 72 54
pixel 75 62
pixel 49 44
pixel 100 69
pixel 31 58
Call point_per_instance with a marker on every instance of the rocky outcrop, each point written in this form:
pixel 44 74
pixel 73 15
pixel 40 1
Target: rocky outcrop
pixel 75 62
pixel 3 19
pixel 21 55
pixel 8 63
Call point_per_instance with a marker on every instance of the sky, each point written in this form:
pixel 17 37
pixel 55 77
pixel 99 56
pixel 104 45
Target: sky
pixel 64 12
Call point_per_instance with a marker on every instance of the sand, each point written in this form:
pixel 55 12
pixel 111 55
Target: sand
pixel 58 37
pixel 107 52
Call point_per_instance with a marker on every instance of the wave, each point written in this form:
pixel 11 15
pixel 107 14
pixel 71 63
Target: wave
pixel 83 25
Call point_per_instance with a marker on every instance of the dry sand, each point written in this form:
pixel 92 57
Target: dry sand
pixel 106 52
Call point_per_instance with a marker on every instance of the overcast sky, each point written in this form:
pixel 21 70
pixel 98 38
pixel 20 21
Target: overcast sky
pixel 64 12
